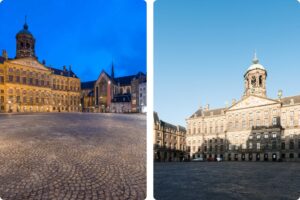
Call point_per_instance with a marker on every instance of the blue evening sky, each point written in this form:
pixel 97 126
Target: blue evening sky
pixel 204 47
pixel 88 35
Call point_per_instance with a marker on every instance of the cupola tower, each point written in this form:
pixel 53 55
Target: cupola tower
pixel 255 79
pixel 25 43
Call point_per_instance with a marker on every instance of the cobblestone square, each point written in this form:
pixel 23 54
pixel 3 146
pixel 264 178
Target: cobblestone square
pixel 227 181
pixel 72 156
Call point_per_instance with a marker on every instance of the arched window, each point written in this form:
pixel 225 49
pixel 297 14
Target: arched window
pixel 253 81
pixel 260 81
pixel 121 90
pixel 128 91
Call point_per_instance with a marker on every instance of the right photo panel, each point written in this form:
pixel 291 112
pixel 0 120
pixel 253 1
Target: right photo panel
pixel 226 100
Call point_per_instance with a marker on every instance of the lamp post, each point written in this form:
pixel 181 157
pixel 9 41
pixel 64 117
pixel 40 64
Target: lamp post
pixel 80 110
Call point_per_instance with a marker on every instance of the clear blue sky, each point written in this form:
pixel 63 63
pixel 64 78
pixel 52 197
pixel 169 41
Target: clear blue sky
pixel 85 34
pixel 203 48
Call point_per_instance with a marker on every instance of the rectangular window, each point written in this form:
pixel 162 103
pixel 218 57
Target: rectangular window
pixel 292 118
pixel 274 144
pixel 266 135
pixel 10 78
pixel 291 144
pixel 274 121
pixel 18 79
pixel 24 100
pixel 251 123
pixel 258 146
pixel 258 122
pixel 24 80
pixel 274 135
pixel 266 114
pixel 258 136
pixel 1 79
pixel 283 145
pixel 18 99
pixel 30 81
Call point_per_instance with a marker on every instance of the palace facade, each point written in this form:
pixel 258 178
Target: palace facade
pixel 27 85
pixel 169 141
pixel 255 128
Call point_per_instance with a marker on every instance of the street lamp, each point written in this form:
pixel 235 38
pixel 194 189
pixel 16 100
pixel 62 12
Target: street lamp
pixel 80 107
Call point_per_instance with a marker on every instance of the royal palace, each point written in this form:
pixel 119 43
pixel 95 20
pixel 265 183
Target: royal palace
pixel 28 85
pixel 255 128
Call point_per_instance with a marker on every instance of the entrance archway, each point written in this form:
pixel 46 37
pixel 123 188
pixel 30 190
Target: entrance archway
pixel 274 157
pixel 266 157
pixel 243 157
pixel 257 157
pixel 250 156
pixel 236 158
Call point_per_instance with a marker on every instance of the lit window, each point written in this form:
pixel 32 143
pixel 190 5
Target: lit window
pixel 258 136
pixel 258 122
pixel 250 145
pixel 274 135
pixel 266 136
pixel 274 121
pixel 258 146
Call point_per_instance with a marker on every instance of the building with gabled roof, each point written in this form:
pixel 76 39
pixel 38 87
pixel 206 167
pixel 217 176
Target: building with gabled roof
pixel 113 94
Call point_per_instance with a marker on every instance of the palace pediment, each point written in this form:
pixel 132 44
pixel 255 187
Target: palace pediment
pixel 29 62
pixel 252 101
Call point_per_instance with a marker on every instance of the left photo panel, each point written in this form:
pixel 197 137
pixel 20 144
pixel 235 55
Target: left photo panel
pixel 73 99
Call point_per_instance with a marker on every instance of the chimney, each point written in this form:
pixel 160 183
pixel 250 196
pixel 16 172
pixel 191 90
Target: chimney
pixel 4 54
pixel 65 68
pixel 44 62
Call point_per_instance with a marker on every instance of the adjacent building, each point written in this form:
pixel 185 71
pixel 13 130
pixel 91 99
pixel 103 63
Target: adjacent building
pixel 169 141
pixel 113 94
pixel 27 85
pixel 143 97
pixel 255 128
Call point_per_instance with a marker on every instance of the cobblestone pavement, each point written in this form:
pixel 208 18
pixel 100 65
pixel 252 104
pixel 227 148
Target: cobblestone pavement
pixel 227 181
pixel 72 156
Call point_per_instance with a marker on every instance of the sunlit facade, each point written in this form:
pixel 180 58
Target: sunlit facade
pixel 255 128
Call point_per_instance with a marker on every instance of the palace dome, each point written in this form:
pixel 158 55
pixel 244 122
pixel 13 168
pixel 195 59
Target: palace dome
pixel 25 31
pixel 256 64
